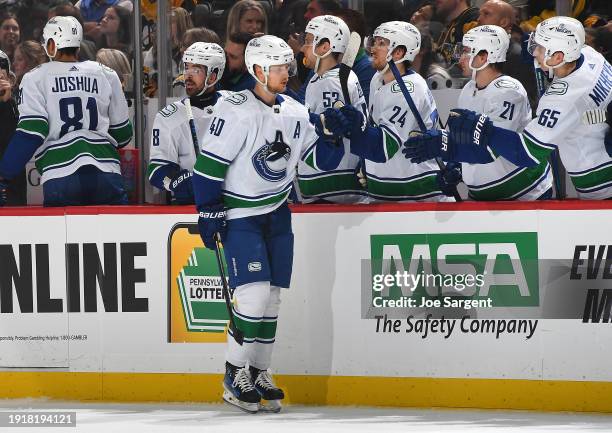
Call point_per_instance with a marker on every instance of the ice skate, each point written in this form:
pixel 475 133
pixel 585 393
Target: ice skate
pixel 239 390
pixel 271 395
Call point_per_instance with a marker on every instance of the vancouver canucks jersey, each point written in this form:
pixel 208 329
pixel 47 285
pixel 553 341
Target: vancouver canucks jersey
pixel 505 101
pixel 80 112
pixel 398 179
pixel 254 150
pixel 339 185
pixel 171 141
pixel 569 117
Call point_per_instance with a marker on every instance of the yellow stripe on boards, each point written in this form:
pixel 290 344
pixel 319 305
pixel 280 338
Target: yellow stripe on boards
pixel 578 396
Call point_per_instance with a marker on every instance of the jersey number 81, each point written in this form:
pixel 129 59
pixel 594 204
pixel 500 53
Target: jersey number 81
pixel 72 117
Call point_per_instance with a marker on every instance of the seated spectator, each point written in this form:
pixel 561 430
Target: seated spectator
pixel 16 192
pixel 115 30
pixel 363 63
pixel 502 14
pixel 247 16
pixel 179 24
pixel 118 62
pixel 458 17
pixel 9 34
pixel 425 64
pixel 92 12
pixel 28 55
pixel 601 39
pixel 88 48
pixel 236 76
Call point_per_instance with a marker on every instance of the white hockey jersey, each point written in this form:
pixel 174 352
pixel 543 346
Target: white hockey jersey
pixel 254 149
pixel 79 110
pixel 398 179
pixel 505 101
pixel 171 141
pixel 569 117
pixel 339 185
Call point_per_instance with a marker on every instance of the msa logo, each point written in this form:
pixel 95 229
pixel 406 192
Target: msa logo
pixel 507 263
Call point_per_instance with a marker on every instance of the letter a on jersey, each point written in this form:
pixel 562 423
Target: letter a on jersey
pixel 270 160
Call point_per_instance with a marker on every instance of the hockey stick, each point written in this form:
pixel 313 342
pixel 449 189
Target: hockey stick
pixel 417 116
pixel 346 65
pixel 192 128
pixel 237 333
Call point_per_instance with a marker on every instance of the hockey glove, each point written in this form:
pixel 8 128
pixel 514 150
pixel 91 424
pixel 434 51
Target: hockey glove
pixel 211 221
pixel 468 128
pixel 429 145
pixel 336 122
pixel 315 119
pixel 181 187
pixel 4 184
pixel 449 178
pixel 354 116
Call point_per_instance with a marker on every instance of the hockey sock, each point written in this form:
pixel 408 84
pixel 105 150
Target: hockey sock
pixel 264 342
pixel 251 303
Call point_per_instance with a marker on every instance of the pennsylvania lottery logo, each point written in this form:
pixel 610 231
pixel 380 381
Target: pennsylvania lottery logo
pixel 479 269
pixel 197 306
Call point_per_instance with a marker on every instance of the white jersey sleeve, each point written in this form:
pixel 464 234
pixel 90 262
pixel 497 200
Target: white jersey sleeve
pixel 33 115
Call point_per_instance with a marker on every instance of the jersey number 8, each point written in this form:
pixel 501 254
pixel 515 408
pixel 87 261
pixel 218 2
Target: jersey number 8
pixel 72 118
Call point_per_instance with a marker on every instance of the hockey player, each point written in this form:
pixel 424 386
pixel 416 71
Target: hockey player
pixel 388 176
pixel 505 101
pixel 326 40
pixel 172 154
pixel 73 118
pixel 570 116
pixel 244 175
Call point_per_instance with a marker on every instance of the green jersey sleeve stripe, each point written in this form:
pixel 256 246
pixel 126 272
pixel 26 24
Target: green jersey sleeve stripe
pixel 122 135
pixel 391 144
pixel 209 167
pixel 34 126
pixel 535 150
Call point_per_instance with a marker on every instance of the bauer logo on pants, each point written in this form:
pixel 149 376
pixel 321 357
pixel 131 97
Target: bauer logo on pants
pixel 197 312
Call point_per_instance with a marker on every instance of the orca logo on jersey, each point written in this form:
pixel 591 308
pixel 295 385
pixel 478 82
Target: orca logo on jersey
pixel 270 160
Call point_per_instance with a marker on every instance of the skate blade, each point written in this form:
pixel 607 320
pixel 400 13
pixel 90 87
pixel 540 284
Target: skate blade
pixel 273 406
pixel 229 398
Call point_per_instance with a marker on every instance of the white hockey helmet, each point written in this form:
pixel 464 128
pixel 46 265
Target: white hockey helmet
pixel 209 55
pixel 562 34
pixel 492 39
pixel 66 32
pixel 331 28
pixel 267 51
pixel 400 33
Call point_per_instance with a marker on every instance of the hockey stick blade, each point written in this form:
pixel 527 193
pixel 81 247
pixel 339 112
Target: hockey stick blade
pixel 348 59
pixel 352 49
